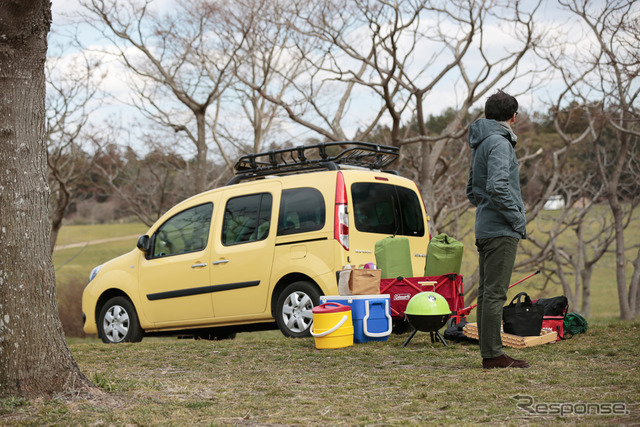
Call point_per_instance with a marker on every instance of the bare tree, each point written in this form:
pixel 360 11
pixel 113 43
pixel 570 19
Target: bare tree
pixel 397 59
pixel 71 89
pixel 314 87
pixel 146 185
pixel 562 243
pixel 602 85
pixel 34 357
pixel 263 67
pixel 178 69
pixel 394 58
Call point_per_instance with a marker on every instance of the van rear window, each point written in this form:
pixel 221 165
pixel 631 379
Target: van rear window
pixel 301 210
pixel 386 209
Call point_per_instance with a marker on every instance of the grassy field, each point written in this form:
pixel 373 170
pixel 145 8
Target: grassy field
pixel 264 378
pixel 267 379
pixel 86 247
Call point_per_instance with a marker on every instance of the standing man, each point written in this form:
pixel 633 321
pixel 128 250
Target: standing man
pixel 494 188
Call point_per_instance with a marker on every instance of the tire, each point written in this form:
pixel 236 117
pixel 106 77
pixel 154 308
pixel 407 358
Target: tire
pixel 118 322
pixel 294 309
pixel 451 322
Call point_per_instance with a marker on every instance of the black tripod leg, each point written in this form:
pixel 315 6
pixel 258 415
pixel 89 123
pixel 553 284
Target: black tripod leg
pixel 441 338
pixel 410 336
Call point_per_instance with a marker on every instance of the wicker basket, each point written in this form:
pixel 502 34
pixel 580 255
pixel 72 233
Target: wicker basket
pixel 546 336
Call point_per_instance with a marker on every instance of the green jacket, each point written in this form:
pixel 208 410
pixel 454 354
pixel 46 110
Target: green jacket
pixel 494 183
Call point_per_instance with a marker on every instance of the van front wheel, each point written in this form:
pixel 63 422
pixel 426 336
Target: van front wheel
pixel 118 322
pixel 294 309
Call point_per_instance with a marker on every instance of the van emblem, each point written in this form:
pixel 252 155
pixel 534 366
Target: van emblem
pixel 362 251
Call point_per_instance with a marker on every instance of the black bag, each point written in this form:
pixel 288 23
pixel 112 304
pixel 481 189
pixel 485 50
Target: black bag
pixel 455 333
pixel 522 318
pixel 556 306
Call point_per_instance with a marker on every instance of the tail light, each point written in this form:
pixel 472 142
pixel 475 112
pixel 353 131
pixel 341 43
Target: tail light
pixel 425 210
pixel 341 217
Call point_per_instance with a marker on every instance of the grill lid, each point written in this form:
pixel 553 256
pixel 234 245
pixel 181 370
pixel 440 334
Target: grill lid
pixel 428 304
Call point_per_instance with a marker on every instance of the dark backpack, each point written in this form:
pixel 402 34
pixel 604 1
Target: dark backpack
pixel 455 333
pixel 556 306
pixel 575 324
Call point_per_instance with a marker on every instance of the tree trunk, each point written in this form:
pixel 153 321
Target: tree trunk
pixel 586 291
pixel 623 296
pixel 61 203
pixel 34 357
pixel 201 155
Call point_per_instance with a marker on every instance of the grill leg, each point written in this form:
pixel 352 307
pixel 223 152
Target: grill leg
pixel 410 336
pixel 441 338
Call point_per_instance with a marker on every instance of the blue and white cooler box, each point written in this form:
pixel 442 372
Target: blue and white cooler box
pixel 371 315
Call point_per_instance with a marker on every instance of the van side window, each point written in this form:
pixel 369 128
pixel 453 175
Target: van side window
pixel 187 231
pixel 246 219
pixel 301 210
pixel 386 209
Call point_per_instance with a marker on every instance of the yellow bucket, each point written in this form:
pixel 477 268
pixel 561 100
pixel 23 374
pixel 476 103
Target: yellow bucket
pixel 332 325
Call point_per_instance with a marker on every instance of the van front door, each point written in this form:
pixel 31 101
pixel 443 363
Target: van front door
pixel 243 253
pixel 174 277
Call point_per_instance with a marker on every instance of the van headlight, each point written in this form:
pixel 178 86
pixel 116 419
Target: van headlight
pixel 94 272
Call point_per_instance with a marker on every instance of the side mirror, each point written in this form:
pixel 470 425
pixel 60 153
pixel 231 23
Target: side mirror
pixel 143 243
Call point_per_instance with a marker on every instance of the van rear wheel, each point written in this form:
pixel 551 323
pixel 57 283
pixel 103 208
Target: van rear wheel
pixel 294 309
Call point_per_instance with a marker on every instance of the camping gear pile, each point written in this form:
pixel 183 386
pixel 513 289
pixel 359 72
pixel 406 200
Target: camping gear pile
pixel 377 298
pixel 441 273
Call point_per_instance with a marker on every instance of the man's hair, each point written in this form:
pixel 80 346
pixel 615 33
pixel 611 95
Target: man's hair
pixel 500 106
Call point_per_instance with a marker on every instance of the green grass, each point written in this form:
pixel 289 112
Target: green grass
pixel 264 378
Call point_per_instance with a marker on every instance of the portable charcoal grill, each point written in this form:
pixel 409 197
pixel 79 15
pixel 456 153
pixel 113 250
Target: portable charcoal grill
pixel 430 311
pixel 427 312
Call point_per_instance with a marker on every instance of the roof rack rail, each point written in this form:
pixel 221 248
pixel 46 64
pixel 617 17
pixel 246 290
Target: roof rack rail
pixel 329 156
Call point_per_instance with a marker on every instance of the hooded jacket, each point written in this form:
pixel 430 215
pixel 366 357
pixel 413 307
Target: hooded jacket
pixel 494 182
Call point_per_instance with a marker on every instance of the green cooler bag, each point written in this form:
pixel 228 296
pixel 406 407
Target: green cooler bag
pixel 444 256
pixel 393 257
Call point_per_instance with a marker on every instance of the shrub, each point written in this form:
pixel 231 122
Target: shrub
pixel 70 307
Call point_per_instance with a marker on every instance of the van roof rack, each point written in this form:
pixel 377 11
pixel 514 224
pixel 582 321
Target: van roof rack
pixel 323 156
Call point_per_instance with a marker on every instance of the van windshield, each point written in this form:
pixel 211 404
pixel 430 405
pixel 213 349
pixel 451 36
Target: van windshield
pixel 386 209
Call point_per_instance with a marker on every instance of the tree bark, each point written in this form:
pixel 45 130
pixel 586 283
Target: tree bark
pixel 34 357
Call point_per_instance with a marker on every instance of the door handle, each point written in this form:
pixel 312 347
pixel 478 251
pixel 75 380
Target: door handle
pixel 221 261
pixel 202 264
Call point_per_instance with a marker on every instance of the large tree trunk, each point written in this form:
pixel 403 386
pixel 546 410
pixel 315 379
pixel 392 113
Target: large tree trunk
pixel 34 357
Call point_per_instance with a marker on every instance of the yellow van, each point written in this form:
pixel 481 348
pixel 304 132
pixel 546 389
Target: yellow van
pixel 259 252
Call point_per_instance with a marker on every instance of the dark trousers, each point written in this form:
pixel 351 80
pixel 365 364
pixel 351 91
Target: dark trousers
pixel 497 257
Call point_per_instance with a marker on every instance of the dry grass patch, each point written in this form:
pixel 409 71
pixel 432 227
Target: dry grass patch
pixel 265 378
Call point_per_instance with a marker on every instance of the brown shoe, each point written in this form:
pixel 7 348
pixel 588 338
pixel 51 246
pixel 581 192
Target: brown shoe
pixel 503 361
